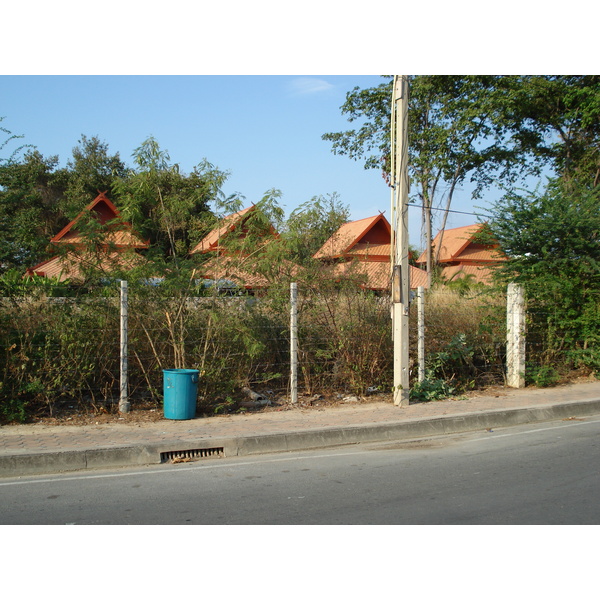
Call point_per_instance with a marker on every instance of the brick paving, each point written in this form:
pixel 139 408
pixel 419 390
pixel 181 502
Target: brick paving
pixel 33 439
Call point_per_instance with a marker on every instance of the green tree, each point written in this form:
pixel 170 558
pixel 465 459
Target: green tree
pixel 558 118
pixel 90 171
pixel 38 198
pixel 552 241
pixel 30 191
pixel 164 205
pixel 311 224
pixel 461 128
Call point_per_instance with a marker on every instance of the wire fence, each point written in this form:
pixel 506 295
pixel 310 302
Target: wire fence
pixel 58 352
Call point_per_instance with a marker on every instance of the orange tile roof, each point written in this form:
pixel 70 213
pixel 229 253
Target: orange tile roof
pixel 105 211
pixel 117 238
pixel 458 245
pixel 375 252
pixel 233 268
pixel 72 265
pixel 211 241
pixel 479 273
pixel 349 235
pixel 478 253
pixel 454 241
pixel 375 275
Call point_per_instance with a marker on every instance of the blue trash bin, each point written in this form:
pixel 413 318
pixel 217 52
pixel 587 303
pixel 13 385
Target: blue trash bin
pixel 180 389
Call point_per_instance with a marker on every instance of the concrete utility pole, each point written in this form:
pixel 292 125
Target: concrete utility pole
pixel 399 246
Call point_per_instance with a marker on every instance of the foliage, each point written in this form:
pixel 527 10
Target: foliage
pixel 489 130
pixel 465 337
pixel 455 131
pixel 558 118
pixel 552 244
pixel 311 224
pixel 164 205
pixel 92 170
pixel 29 215
pixel 10 137
pixel 345 340
pixel 37 198
pixel 542 376
pixel 430 390
pixel 55 350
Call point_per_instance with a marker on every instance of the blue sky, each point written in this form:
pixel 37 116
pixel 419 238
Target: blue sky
pixel 264 129
pixel 232 82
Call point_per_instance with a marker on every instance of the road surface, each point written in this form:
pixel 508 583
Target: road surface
pixel 536 474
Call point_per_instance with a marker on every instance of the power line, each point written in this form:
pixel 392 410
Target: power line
pixel 458 212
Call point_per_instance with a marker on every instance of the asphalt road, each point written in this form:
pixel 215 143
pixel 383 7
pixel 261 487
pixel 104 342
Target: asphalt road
pixel 537 474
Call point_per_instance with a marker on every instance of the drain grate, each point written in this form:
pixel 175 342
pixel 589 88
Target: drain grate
pixel 187 455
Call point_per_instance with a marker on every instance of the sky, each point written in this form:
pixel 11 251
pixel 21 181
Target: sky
pixel 251 87
pixel 264 130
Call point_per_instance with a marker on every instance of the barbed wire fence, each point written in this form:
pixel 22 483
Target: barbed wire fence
pixel 58 353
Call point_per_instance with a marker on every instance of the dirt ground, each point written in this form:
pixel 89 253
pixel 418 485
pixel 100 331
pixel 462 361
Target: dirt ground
pixel 147 411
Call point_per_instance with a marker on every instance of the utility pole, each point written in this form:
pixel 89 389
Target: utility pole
pixel 399 245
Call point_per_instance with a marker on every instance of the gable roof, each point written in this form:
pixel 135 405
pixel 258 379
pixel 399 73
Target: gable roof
pixel 104 210
pixel 478 273
pixel 211 242
pixel 459 244
pixel 363 237
pixel 230 268
pixel 72 265
pixel 376 275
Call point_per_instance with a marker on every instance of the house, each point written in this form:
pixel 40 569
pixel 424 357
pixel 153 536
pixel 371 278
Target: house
pixel 236 223
pixel 232 246
pixel 115 247
pixel 461 252
pixel 361 249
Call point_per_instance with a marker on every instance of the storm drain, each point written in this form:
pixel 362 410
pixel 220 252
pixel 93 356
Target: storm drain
pixel 189 455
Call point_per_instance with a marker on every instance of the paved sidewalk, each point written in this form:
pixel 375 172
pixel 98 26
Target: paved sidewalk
pixel 37 449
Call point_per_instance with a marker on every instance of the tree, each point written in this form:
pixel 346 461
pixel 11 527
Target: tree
pixel 164 205
pixel 91 170
pixel 459 130
pixel 552 242
pixel 30 191
pixel 9 137
pixel 38 198
pixel 558 118
pixel 311 224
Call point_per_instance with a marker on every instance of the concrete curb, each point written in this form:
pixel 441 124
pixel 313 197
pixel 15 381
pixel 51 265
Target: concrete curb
pixel 399 431
pixel 143 454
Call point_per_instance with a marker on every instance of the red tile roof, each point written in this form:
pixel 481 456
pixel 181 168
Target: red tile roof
pixel 72 265
pixel 105 211
pixel 211 241
pixel 479 273
pixel 375 275
pixel 459 244
pixel 351 237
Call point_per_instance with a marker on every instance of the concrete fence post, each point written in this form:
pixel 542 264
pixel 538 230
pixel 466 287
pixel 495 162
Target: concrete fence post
pixel 124 404
pixel 515 336
pixel 294 343
pixel 421 331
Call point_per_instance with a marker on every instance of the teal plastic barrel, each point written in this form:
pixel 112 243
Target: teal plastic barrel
pixel 180 389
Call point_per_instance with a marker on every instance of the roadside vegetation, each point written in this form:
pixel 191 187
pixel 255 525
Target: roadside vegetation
pixel 59 341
